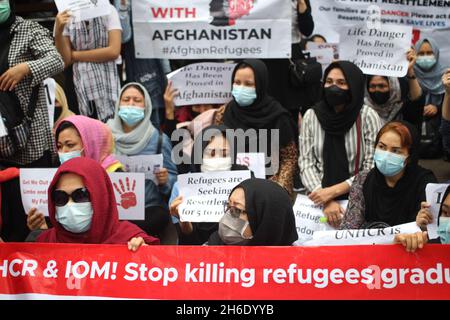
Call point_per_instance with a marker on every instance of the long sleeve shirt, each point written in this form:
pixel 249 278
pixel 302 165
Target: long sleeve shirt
pixel 312 138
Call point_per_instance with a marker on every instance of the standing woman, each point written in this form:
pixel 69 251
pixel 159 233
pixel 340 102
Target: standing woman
pixel 28 57
pixel 253 108
pixel 134 134
pixel 92 46
pixel 429 71
pixel 337 138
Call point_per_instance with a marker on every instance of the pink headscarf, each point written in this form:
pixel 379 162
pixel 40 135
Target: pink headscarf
pixel 97 139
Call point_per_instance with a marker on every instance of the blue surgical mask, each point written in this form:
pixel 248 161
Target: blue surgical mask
pixel 63 157
pixel 75 217
pixel 389 163
pixel 426 62
pixel 5 11
pixel 243 95
pixel 131 115
pixel 444 229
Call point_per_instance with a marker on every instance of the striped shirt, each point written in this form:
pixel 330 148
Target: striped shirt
pixel 312 138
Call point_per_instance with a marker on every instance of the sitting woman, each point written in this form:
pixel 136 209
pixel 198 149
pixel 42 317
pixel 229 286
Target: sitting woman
pixel 216 155
pixel 80 136
pixel 412 242
pixel 258 213
pixel 134 135
pixel 82 208
pixel 397 98
pixel 393 190
pixel 337 136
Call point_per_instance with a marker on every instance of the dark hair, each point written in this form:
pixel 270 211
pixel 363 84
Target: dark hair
pixel 243 65
pixel 317 36
pixel 63 126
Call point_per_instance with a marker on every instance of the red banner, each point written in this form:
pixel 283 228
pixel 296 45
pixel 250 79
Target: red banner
pixel 219 273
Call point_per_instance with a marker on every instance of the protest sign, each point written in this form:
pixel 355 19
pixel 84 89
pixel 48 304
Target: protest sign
pixel 147 164
pixel 255 161
pixel 212 29
pixel 84 9
pixel 434 193
pixel 421 14
pixel 360 236
pixel 202 83
pixel 74 271
pixel 380 51
pixel 428 18
pixel 308 218
pixel 204 194
pixel 129 189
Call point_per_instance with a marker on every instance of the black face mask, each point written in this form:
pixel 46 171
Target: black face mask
pixel 336 96
pixel 58 111
pixel 380 97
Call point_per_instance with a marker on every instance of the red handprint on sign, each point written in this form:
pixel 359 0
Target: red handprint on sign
pixel 127 195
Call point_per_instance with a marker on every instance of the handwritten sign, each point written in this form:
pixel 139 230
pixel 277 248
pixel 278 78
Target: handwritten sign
pixel 204 194
pixel 202 83
pixel 129 189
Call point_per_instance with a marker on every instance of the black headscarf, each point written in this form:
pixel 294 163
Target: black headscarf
pixel 401 203
pixel 270 214
pixel 265 112
pixel 447 191
pixel 202 230
pixel 199 141
pixel 336 125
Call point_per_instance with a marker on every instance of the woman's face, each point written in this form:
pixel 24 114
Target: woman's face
pixel 378 83
pixel 132 97
pixel 69 140
pixel 446 207
pixel 336 77
pixel 390 141
pixel 69 182
pixel 217 148
pixel 237 199
pixel 425 50
pixel 245 77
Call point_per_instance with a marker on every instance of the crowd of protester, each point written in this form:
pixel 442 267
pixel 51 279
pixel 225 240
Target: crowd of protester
pixel 360 138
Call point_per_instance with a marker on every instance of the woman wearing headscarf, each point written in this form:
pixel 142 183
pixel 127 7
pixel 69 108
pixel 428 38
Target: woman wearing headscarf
pixel 253 109
pixel 396 98
pixel 134 135
pixel 80 136
pixel 258 213
pixel 207 155
pixel 392 192
pixel 337 138
pixel 429 71
pixel 28 57
pixel 417 240
pixel 82 208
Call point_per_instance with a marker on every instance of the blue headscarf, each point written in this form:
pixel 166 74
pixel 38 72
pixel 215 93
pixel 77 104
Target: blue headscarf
pixel 430 80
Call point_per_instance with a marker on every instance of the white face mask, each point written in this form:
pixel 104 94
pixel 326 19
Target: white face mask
pixel 216 164
pixel 75 217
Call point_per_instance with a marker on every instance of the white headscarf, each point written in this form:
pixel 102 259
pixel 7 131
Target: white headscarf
pixel 133 142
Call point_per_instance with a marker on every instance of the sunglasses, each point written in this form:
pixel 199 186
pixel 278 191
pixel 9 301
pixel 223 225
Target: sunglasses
pixel 60 197
pixel 234 211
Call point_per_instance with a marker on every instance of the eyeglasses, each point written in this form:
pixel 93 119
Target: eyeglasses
pixel 234 211
pixel 61 197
